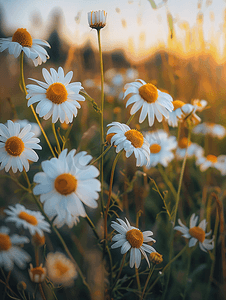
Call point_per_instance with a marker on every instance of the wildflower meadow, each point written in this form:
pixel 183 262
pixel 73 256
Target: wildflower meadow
pixel 112 182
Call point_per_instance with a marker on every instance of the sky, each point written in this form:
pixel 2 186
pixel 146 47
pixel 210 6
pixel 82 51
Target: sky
pixel 126 19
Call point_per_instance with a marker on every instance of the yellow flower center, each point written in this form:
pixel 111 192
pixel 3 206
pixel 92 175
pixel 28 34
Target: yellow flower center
pixel 183 143
pixel 177 104
pixel 148 92
pixel 212 158
pixel 61 268
pixel 65 184
pixel 57 93
pixel 198 104
pixel 156 258
pixel 135 137
pixel 5 242
pixel 14 146
pixel 108 137
pixel 23 37
pixel 135 238
pixel 28 218
pixel 197 233
pixel 155 148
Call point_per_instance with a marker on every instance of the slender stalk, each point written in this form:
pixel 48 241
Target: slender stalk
pixel 120 271
pixel 176 208
pixel 181 178
pixel 166 267
pixel 102 154
pixel 32 108
pixel 187 273
pixel 56 138
pixel 88 98
pixel 36 256
pixel 167 181
pixel 101 123
pixel 93 227
pixel 130 119
pixel 27 179
pixel 16 181
pixel 109 194
pixel 41 291
pixel 147 281
pixel 138 279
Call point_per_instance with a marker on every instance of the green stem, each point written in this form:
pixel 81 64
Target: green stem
pixel 137 278
pixel 88 98
pixel 167 181
pixel 32 108
pixel 109 194
pixel 41 291
pixel 130 119
pixel 167 266
pixel 120 271
pixel 17 182
pixel 147 281
pixel 27 179
pixel 187 273
pixel 176 208
pixel 102 154
pixel 56 138
pixel 92 226
pixel 101 123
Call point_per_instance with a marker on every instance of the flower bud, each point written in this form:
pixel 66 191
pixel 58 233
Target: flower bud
pixel 37 274
pixel 97 19
pixel 156 258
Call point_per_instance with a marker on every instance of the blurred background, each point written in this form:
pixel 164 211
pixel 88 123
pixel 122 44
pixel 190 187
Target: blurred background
pixel 177 45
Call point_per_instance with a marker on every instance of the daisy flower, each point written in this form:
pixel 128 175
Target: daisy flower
pixel 66 183
pixel 209 161
pixel 212 129
pixel 16 147
pixel 131 238
pixel 193 149
pixel 154 103
pixel 196 233
pixel 131 140
pixel 199 104
pixel 60 269
pixel 189 112
pixel 34 126
pixel 97 19
pixel 176 114
pixel 10 252
pixel 161 146
pixel 31 220
pixel 57 97
pixel 222 164
pixel 22 41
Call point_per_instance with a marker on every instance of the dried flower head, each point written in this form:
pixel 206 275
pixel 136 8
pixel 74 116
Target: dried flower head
pixel 37 274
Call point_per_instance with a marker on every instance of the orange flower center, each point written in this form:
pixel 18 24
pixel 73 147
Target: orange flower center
pixel 28 218
pixel 23 37
pixel 156 258
pixel 14 146
pixel 183 143
pixel 65 184
pixel 57 93
pixel 177 104
pixel 148 92
pixel 135 238
pixel 212 158
pixel 155 148
pixel 198 104
pixel 197 233
pixel 37 271
pixel 61 268
pixel 109 136
pixel 5 242
pixel 135 137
